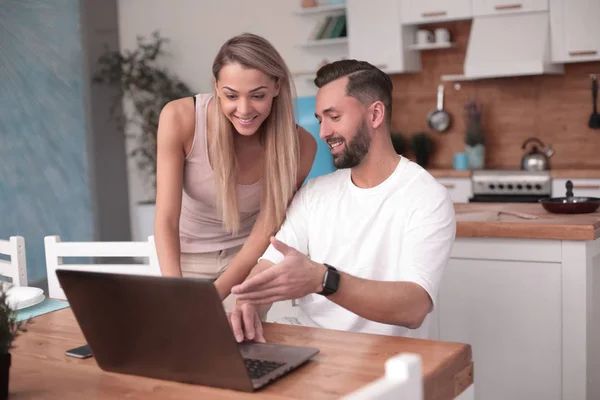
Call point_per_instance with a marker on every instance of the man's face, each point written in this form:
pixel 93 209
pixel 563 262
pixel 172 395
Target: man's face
pixel 344 125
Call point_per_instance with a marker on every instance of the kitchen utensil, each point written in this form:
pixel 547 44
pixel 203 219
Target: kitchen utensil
pixel 438 119
pixel 535 160
pixel 570 204
pixel 518 214
pixel 425 36
pixel 442 35
pixel 594 122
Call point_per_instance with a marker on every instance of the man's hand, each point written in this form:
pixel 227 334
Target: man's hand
pixel 246 323
pixel 294 277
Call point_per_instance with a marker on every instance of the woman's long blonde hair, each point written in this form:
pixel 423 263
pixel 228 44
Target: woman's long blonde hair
pixel 278 136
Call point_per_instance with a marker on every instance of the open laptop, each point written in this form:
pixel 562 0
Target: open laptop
pixel 170 328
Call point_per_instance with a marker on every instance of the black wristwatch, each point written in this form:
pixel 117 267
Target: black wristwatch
pixel 331 281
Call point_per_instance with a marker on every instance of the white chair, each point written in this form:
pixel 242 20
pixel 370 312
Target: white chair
pixel 56 250
pixel 14 269
pixel 402 380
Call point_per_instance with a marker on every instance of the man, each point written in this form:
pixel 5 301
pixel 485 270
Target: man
pixel 362 248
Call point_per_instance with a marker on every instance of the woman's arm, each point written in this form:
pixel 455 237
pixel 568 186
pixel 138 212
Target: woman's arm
pixel 175 130
pixel 258 241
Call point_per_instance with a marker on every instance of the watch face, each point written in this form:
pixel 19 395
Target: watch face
pixel 331 281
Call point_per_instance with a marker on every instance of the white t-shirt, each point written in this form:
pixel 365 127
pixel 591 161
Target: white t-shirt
pixel 401 230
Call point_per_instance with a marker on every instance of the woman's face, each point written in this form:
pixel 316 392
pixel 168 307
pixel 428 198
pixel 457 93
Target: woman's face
pixel 246 96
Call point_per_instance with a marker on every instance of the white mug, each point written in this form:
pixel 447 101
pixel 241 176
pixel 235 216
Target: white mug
pixel 424 36
pixel 442 35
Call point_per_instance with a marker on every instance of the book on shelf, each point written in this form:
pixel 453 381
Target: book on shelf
pixel 329 28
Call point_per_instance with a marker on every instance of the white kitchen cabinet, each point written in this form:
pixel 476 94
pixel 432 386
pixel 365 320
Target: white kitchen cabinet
pixel 376 35
pixel 575 30
pixel 500 7
pixel 460 189
pixel 509 313
pixel 581 187
pixel 528 309
pixel 428 11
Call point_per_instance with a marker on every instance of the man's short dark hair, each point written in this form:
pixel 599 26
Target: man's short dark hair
pixel 366 83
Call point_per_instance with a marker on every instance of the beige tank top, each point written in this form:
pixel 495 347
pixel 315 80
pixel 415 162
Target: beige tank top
pixel 200 225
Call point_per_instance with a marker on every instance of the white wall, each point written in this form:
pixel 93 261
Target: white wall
pixel 197 29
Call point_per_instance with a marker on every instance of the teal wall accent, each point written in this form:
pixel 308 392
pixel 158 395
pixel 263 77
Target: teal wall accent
pixel 44 179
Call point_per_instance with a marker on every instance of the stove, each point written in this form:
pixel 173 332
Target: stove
pixel 510 186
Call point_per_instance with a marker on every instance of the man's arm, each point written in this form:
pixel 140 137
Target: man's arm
pixel 394 303
pixel 425 252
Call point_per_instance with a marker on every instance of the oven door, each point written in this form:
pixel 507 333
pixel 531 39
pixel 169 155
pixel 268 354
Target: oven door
pixel 506 198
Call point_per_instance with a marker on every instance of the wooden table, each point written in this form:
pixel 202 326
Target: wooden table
pixel 346 362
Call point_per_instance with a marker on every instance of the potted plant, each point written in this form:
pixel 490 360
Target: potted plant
pixel 474 137
pixel 9 330
pixel 422 147
pixel 398 142
pixel 143 88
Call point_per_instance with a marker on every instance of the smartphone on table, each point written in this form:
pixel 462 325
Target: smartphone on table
pixel 80 352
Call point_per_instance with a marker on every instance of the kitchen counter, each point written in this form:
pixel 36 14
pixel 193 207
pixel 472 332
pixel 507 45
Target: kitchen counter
pixel 524 284
pixel 449 173
pixel 573 173
pixel 523 221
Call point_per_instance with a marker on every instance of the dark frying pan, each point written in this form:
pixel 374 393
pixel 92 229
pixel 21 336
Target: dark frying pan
pixel 570 204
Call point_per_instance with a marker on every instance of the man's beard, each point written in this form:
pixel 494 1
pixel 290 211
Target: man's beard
pixel 355 150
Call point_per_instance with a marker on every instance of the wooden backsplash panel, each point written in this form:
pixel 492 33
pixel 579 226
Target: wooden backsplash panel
pixel 553 108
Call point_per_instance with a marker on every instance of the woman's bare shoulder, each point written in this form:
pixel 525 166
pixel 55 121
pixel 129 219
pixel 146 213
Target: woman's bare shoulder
pixel 178 119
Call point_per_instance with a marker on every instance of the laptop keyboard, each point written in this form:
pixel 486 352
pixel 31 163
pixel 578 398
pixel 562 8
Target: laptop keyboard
pixel 259 368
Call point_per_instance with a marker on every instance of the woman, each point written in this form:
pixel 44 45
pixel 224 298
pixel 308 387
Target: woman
pixel 228 164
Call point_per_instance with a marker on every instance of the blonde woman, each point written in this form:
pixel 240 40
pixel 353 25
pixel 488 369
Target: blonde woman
pixel 228 165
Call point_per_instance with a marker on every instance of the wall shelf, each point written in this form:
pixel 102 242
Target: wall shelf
pixel 325 42
pixel 431 46
pixel 321 9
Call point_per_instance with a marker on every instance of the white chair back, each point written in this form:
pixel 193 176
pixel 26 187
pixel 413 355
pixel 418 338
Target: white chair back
pixel 402 380
pixel 16 268
pixel 56 250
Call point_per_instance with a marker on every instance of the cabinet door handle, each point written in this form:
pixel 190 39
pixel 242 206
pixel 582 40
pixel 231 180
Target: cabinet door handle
pixel 430 14
pixel 449 185
pixel 502 7
pixel 583 53
pixel 584 186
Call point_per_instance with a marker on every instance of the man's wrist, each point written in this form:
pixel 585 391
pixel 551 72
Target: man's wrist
pixel 321 269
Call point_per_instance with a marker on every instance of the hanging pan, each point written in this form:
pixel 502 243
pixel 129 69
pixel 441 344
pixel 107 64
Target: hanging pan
pixel 438 119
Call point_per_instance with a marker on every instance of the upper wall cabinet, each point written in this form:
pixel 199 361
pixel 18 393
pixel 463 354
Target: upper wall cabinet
pixel 499 7
pixel 575 30
pixel 384 43
pixel 426 11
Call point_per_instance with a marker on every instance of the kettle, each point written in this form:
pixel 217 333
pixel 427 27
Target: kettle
pixel 536 160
